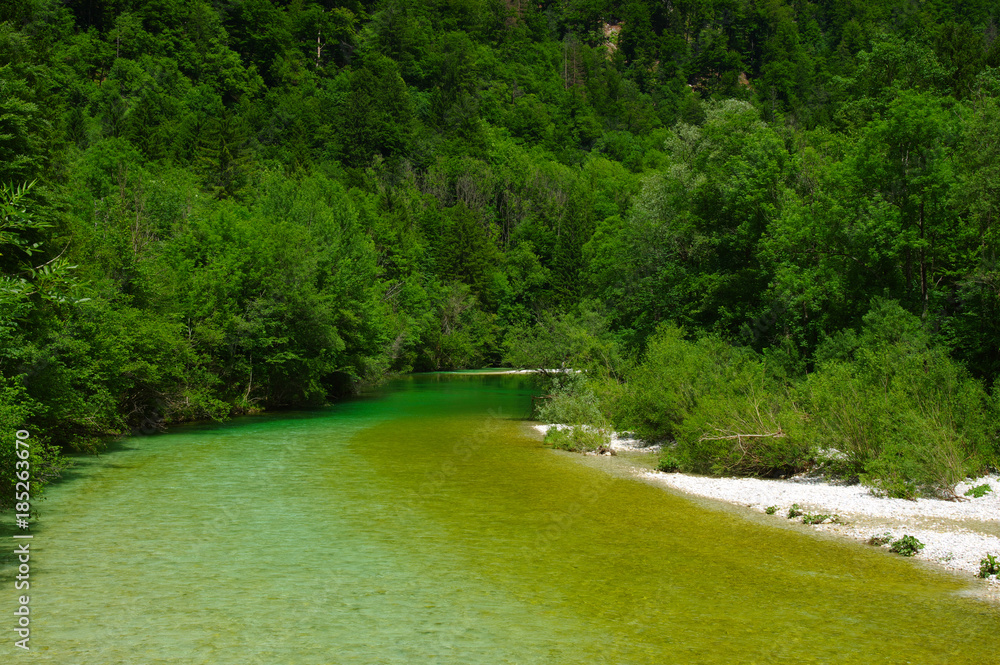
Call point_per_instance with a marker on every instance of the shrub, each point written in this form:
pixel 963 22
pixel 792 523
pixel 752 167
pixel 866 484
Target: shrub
pixel 746 427
pixel 672 378
pixel 890 474
pixel 576 439
pixel 989 566
pixel 668 461
pixel 573 402
pixel 794 511
pixel 578 397
pixel 979 491
pixel 770 510
pixel 719 404
pixel 906 546
pixel 907 416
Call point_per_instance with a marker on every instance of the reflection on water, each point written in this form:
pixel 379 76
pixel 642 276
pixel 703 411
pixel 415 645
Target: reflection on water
pixel 424 524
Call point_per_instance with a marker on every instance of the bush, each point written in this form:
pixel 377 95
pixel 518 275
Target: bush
pixel 979 491
pixel 668 462
pixel 989 566
pixel 908 418
pixel 906 546
pixel 581 351
pixel 719 404
pixel 577 439
pixel 890 474
pixel 573 403
pixel 884 405
pixel 661 392
pixel 744 428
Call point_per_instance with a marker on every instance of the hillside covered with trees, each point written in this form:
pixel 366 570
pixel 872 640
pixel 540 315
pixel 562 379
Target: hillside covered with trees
pixel 762 221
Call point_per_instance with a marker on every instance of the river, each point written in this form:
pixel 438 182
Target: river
pixel 425 523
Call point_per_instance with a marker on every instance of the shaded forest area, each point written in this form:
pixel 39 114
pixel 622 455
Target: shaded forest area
pixel 214 207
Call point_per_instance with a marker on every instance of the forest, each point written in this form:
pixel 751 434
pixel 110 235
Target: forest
pixel 765 231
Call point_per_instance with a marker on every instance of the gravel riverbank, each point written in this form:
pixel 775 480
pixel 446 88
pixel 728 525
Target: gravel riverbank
pixel 957 535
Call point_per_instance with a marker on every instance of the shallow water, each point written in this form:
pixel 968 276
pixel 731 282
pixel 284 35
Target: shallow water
pixel 425 524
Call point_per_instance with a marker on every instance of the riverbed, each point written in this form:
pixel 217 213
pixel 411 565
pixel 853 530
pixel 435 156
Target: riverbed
pixel 424 523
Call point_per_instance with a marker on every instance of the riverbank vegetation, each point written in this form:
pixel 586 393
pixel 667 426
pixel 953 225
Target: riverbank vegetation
pixel 765 231
pixel 884 405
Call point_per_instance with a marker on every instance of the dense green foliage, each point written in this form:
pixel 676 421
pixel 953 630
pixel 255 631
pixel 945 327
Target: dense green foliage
pixel 885 405
pixel 906 546
pixel 990 565
pixel 253 204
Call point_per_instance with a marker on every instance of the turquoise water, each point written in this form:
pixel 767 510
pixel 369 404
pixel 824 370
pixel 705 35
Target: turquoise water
pixel 425 524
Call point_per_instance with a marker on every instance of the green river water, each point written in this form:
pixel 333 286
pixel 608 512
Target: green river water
pixel 425 523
